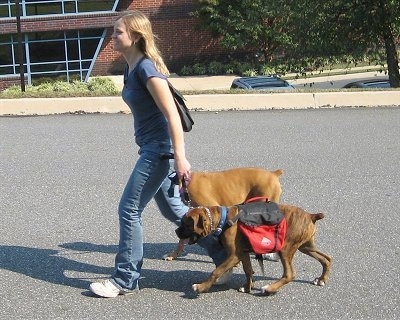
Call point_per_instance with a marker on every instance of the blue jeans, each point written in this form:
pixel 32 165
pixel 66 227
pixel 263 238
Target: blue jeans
pixel 146 178
pixel 151 177
pixel 172 208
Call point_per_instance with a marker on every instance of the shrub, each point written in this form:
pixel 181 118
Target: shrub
pixel 215 68
pixel 60 86
pixel 249 73
pixel 101 86
pixel 199 69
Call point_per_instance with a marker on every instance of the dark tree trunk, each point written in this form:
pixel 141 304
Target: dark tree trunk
pixel 392 59
pixel 386 20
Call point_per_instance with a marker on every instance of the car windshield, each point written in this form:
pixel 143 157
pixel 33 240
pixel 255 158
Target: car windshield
pixel 260 82
pixel 382 84
pixel 269 85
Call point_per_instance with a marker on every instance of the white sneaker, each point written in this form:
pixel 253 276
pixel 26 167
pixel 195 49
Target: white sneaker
pixel 273 256
pixel 107 289
pixel 224 278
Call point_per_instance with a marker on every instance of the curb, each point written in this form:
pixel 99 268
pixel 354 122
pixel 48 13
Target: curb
pixel 293 100
pixel 206 102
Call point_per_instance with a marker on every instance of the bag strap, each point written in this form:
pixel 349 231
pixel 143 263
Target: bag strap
pixel 232 221
pixel 171 87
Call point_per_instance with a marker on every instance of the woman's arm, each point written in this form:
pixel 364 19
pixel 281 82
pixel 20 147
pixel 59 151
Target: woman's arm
pixel 161 94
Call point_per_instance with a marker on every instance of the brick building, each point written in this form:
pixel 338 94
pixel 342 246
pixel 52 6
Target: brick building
pixel 72 38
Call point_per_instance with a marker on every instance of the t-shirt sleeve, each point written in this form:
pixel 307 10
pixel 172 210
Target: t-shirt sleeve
pixel 148 70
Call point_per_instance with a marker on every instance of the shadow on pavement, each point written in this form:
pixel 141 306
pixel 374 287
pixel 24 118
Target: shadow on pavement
pixel 154 251
pixel 45 264
pixel 50 265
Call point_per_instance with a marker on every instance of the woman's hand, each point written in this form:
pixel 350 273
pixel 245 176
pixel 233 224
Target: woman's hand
pixel 182 168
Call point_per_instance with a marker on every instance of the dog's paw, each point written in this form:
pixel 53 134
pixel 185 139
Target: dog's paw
pixel 195 287
pixel 266 291
pixel 318 282
pixel 200 287
pixel 174 255
pixel 169 256
pixel 243 290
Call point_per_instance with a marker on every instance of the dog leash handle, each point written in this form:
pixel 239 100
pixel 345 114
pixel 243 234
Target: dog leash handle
pixel 185 193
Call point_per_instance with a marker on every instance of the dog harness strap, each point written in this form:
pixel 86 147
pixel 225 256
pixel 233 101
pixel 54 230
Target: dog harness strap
pixel 256 199
pixel 232 221
pixel 221 224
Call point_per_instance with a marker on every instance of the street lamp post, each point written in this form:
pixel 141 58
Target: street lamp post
pixel 20 46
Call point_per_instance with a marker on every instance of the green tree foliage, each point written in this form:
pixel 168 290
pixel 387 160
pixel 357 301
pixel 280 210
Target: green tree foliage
pixel 359 28
pixel 312 30
pixel 243 24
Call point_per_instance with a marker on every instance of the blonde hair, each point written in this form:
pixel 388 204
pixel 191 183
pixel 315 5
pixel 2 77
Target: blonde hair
pixel 137 22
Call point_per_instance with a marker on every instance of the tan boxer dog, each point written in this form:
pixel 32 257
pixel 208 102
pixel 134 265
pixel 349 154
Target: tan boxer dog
pixel 201 221
pixel 228 188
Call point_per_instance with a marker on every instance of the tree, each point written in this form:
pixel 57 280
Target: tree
pixel 251 25
pixel 359 28
pixel 312 30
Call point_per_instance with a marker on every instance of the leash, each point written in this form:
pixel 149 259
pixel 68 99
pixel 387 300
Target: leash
pixel 185 194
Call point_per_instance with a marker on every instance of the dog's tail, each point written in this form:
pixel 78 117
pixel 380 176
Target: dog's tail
pixel 278 172
pixel 317 216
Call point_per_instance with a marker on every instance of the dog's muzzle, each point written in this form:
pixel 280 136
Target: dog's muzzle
pixel 182 233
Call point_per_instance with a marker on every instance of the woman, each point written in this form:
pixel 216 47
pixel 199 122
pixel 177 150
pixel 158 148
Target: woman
pixel 158 131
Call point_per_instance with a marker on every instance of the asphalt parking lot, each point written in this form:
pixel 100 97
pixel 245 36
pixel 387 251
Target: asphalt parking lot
pixel 62 175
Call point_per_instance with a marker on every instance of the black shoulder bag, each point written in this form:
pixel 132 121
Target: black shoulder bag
pixel 186 119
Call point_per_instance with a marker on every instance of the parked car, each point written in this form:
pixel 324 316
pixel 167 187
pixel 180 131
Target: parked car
pixel 369 83
pixel 261 83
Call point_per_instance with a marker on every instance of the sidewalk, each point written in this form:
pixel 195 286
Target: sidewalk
pixel 219 102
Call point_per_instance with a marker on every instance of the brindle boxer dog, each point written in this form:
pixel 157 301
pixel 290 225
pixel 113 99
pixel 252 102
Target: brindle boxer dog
pixel 228 188
pixel 201 221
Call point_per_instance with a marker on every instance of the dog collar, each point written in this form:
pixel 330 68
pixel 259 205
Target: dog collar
pixel 209 217
pixel 222 221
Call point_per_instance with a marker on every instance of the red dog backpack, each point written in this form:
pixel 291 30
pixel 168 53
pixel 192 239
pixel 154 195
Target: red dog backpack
pixel 264 225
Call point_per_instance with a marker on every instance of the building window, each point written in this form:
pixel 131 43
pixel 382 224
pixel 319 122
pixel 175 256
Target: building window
pixel 49 7
pixel 8 53
pixel 64 54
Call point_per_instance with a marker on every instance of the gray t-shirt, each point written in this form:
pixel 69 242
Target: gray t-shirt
pixel 150 124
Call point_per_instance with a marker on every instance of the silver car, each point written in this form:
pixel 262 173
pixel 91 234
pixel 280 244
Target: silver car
pixel 369 83
pixel 261 83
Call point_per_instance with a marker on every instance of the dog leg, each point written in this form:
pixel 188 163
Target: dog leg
pixel 324 259
pixel 248 270
pixel 288 272
pixel 178 250
pixel 204 286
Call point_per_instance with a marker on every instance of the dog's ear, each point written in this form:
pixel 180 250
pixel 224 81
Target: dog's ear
pixel 188 222
pixel 200 222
